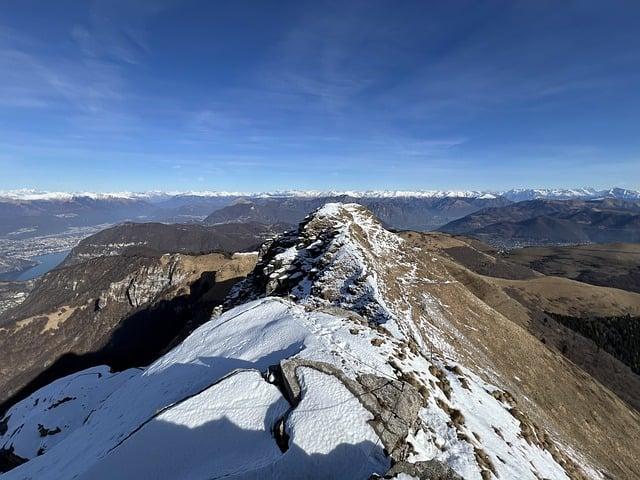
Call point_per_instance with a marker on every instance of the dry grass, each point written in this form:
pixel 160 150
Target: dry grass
pixel 491 332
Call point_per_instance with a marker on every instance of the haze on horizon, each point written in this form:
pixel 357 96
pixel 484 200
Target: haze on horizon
pixel 251 96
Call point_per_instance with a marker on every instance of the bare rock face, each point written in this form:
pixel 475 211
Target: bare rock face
pixel 394 404
pixel 430 470
pixel 9 460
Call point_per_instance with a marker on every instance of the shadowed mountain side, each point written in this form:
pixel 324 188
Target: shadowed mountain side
pixel 139 338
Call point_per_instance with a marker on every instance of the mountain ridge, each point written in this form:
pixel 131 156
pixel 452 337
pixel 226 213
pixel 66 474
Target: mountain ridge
pixel 516 194
pixel 331 313
pixel 552 222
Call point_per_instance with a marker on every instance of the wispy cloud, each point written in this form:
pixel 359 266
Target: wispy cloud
pixel 358 89
pixel 80 86
pixel 32 80
pixel 116 30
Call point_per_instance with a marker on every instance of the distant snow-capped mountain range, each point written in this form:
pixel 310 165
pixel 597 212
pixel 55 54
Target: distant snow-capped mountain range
pixel 518 195
pixel 515 195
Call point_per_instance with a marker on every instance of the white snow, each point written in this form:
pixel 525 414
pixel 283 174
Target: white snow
pixel 340 432
pixel 484 417
pixel 252 336
pixel 515 194
pixel 63 404
pixel 223 431
pixel 587 193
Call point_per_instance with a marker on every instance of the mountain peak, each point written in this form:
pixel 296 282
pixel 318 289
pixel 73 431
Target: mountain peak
pixel 330 260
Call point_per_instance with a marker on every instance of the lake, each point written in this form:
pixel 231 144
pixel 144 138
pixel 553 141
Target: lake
pixel 45 263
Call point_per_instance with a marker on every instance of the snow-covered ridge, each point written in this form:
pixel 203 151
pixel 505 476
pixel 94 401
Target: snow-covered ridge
pixel 350 323
pixel 522 194
pixel 28 194
pixel 33 195
pixel 380 193
pixel 513 194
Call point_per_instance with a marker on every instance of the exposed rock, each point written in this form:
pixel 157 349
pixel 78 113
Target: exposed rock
pixel 44 431
pixel 394 404
pixel 3 424
pixel 429 470
pixel 9 460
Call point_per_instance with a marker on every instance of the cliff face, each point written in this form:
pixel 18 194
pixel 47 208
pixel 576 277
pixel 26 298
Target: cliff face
pixel 348 352
pixel 101 310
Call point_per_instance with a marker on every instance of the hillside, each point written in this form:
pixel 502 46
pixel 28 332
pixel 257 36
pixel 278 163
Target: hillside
pixel 11 264
pixel 614 265
pixel 595 327
pixel 348 352
pixel 552 222
pixel 401 212
pixel 159 238
pixel 119 310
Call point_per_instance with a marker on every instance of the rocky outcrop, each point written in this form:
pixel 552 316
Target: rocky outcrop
pixel 9 460
pixel 394 404
pixel 429 470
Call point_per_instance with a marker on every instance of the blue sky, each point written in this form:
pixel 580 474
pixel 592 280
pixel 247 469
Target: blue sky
pixel 195 95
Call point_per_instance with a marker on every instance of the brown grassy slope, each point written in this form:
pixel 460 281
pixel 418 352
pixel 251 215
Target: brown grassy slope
pixel 569 297
pixel 493 332
pixel 527 301
pixel 614 265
